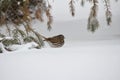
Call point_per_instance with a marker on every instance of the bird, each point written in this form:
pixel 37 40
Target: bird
pixel 55 41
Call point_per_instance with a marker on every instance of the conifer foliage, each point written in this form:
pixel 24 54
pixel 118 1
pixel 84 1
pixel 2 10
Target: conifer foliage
pixel 93 22
pixel 23 12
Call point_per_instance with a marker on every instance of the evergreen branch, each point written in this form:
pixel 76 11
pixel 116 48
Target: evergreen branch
pixel 108 12
pixel 72 8
pixel 92 20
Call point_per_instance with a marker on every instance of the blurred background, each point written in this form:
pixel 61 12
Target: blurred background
pixel 76 27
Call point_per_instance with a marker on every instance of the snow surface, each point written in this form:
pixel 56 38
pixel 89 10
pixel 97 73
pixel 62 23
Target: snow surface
pixel 76 60
pixel 85 56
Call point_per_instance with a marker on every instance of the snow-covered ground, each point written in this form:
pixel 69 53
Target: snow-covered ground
pixel 85 56
pixel 76 60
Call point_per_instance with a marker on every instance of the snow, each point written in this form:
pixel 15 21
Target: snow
pixel 26 46
pixel 85 55
pixel 1 47
pixel 76 60
pixel 8 38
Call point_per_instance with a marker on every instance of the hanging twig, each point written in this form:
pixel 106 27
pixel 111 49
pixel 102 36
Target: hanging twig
pixel 72 7
pixel 49 16
pixel 108 12
pixel 92 20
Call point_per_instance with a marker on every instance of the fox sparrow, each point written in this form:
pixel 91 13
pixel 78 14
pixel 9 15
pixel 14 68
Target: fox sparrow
pixel 56 41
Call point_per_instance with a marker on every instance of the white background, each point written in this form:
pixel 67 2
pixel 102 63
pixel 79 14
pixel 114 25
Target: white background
pixel 85 55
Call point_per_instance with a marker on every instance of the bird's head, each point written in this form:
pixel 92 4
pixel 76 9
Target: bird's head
pixel 61 36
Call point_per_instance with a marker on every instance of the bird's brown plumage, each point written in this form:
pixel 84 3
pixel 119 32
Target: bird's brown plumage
pixel 56 41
